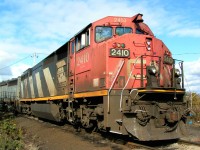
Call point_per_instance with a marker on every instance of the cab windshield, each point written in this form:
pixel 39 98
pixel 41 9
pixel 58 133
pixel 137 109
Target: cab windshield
pixel 123 30
pixel 103 33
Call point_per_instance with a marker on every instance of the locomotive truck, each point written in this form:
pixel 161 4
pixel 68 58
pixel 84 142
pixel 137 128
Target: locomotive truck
pixel 114 75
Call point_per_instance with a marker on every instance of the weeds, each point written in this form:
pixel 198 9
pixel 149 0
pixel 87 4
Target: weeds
pixel 10 135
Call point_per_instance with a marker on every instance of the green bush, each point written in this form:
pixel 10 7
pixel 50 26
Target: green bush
pixel 10 135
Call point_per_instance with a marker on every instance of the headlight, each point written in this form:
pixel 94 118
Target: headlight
pixel 177 72
pixel 152 70
pixel 168 60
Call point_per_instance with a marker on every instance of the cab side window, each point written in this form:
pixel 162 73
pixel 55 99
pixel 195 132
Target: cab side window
pixel 78 43
pixel 72 47
pixel 82 40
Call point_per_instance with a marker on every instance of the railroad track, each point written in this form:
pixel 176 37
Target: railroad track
pixel 136 145
pixel 181 142
pixel 188 142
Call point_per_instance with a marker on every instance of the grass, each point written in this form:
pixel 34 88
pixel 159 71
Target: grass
pixel 10 134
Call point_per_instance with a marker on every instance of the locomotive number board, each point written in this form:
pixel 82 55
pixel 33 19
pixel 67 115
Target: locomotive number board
pixel 119 52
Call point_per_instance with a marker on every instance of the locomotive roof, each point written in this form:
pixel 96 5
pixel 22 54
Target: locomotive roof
pixel 89 25
pixel 85 28
pixel 3 83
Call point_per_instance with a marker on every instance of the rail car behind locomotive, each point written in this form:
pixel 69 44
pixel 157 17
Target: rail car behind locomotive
pixel 114 75
pixel 8 94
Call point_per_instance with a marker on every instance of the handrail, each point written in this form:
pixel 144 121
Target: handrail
pixel 180 63
pixel 121 65
pixel 127 82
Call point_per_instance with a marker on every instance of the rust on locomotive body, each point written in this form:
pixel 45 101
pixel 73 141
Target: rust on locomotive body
pixel 114 75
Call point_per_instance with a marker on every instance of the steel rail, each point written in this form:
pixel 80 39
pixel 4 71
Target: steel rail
pixel 189 142
pixel 133 145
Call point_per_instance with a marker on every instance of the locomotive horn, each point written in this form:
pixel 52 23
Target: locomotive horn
pixel 137 18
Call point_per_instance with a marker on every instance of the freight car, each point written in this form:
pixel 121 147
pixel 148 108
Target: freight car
pixel 8 94
pixel 113 75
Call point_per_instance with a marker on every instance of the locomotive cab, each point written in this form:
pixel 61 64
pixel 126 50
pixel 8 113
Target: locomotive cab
pixel 142 79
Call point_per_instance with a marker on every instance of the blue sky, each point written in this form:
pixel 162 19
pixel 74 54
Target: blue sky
pixel 41 26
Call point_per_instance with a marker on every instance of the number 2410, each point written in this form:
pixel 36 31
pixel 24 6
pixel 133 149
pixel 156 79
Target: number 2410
pixel 120 53
pixel 119 19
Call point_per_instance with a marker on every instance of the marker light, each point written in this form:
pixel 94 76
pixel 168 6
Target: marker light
pixel 118 45
pixel 114 45
pixel 123 45
pixel 148 43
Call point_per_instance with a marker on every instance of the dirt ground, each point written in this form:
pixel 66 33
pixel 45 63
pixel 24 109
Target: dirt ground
pixel 40 135
pixel 194 133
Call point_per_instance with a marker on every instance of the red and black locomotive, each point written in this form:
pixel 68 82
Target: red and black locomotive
pixel 114 75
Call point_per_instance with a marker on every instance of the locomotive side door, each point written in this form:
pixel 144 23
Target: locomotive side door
pixel 72 60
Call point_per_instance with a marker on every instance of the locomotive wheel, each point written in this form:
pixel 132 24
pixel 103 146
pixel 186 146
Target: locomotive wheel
pixel 91 127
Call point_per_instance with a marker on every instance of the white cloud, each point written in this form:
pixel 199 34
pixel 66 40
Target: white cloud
pixel 18 69
pixel 192 75
pixel 189 32
pixel 6 56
